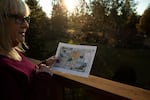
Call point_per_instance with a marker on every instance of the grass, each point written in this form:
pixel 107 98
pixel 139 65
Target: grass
pixel 108 59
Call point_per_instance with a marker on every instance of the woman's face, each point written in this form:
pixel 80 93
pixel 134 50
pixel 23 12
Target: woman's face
pixel 17 26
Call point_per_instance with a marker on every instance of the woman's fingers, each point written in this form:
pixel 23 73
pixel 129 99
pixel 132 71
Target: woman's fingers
pixel 51 60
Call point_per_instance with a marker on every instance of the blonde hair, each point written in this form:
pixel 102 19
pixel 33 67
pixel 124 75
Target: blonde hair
pixel 6 7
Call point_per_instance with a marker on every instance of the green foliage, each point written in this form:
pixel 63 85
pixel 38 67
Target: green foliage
pixel 108 59
pixel 144 23
pixel 59 19
pixel 38 32
pixel 44 33
pixel 112 18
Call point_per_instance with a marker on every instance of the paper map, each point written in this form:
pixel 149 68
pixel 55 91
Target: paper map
pixel 75 59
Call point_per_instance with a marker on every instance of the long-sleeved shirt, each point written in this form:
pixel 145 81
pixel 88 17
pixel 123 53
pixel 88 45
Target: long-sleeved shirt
pixel 19 81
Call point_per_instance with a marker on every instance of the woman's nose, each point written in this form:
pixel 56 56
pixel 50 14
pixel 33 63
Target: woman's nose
pixel 25 24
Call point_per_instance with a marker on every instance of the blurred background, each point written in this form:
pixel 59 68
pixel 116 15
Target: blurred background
pixel 119 28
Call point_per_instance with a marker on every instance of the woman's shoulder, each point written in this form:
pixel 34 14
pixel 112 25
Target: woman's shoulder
pixel 9 67
pixel 9 73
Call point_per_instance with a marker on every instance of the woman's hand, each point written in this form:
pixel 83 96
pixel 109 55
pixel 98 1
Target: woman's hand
pixel 45 66
pixel 50 61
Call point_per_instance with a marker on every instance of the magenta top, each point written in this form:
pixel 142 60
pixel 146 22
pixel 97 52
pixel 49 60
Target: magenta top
pixel 25 66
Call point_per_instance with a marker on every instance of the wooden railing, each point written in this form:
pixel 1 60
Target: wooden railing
pixel 71 87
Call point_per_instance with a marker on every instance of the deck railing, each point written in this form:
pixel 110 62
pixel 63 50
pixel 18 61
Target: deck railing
pixel 71 87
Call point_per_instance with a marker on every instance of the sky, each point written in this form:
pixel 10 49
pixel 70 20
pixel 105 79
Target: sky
pixel 141 6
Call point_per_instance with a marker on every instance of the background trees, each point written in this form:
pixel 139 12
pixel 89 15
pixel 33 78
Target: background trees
pixel 143 27
pixel 110 18
pixel 111 22
pixel 38 31
pixel 59 18
pixel 144 23
pixel 43 34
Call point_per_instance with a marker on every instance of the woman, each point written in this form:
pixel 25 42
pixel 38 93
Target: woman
pixel 19 78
